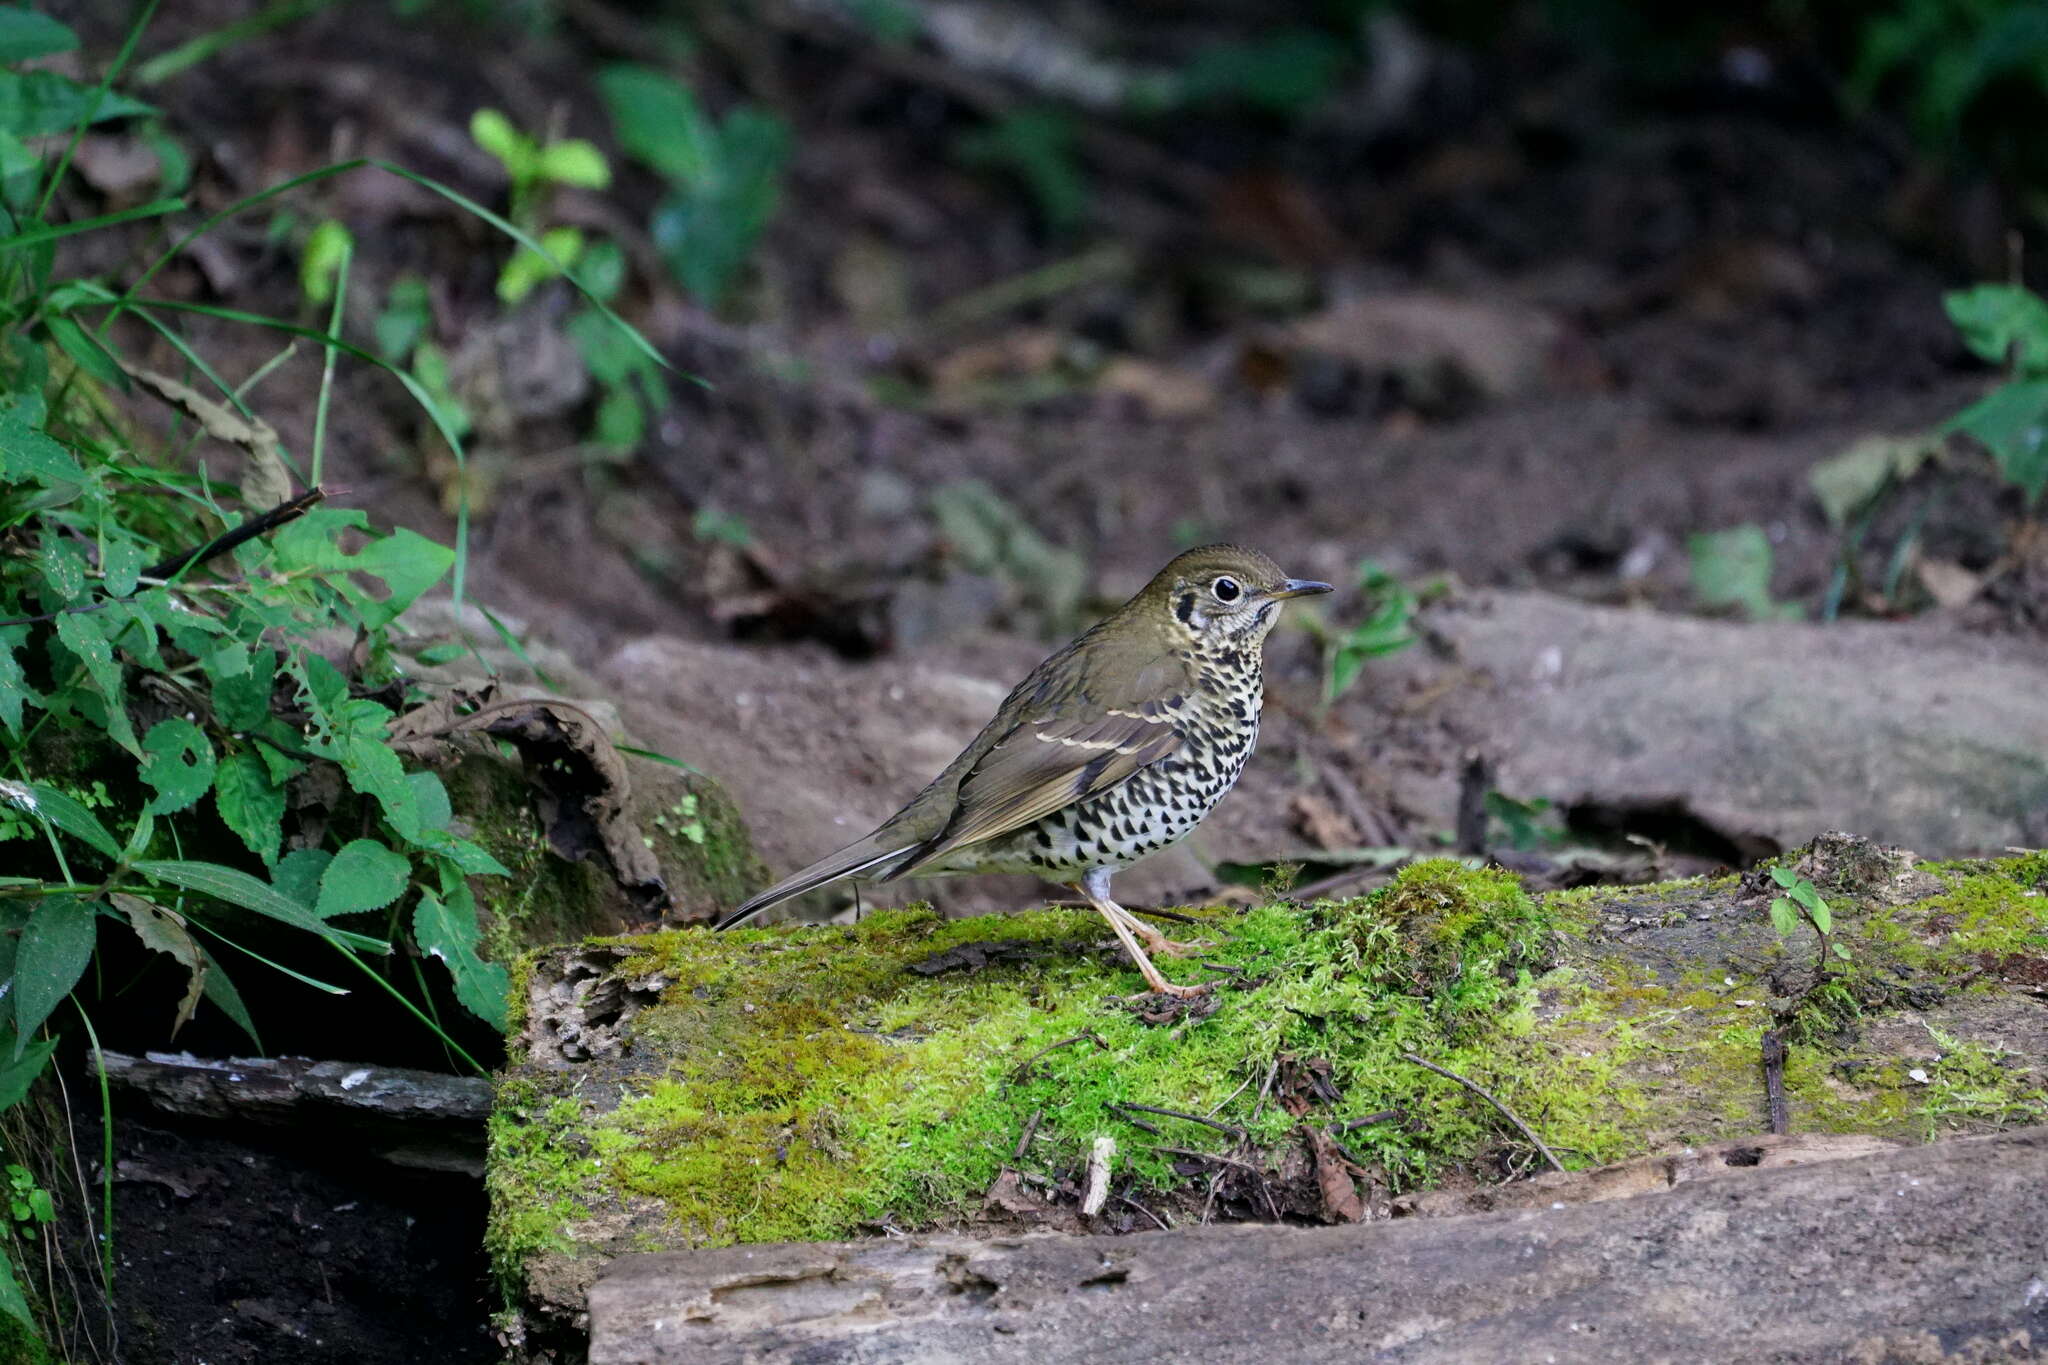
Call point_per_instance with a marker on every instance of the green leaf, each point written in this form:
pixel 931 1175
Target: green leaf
pixel 27 455
pixel 1784 915
pixel 573 161
pixel 1784 876
pixel 1732 568
pixel 242 684
pixel 250 804
pixel 430 799
pixel 11 1301
pixel 660 123
pixel 365 875
pixel 1847 483
pixel 14 689
pixel 65 812
pixel 39 103
pixel 2001 323
pixel 86 351
pixel 448 930
pixel 55 946
pixel 298 874
pixel 408 313
pixel 239 888
pixel 1843 953
pixel 84 637
pixel 493 132
pixel 2012 422
pixel 18 1074
pixel 327 247
pixel 25 34
pixel 121 561
pixel 529 268
pixel 1803 892
pixel 227 999
pixel 1823 918
pixel 177 762
pixel 407 562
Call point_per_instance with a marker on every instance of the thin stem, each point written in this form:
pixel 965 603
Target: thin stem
pixel 327 369
pixel 1488 1096
pixel 106 1153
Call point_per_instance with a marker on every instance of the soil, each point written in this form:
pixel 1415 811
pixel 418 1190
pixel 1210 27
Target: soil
pixel 231 1250
pixel 1726 285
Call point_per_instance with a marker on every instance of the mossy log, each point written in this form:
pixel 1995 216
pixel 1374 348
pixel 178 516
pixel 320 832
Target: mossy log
pixel 687 1089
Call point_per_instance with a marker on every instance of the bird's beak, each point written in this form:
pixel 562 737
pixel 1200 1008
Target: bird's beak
pixel 1298 587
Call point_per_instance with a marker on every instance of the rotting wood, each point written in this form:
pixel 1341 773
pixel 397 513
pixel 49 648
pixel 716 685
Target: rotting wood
pixel 1960 1263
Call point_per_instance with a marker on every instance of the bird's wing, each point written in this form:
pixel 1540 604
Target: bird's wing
pixel 1044 763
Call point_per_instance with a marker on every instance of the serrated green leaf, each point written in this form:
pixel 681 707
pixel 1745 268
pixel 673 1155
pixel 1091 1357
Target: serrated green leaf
pixel 430 799
pixel 365 875
pixel 39 103
pixel 242 684
pixel 24 35
pixel 463 854
pixel 221 991
pixel 298 874
pixel 55 946
pixel 250 804
pixel 19 1073
pixel 62 567
pixel 64 811
pixel 29 456
pixel 15 693
pixel 11 1301
pixel 1803 892
pixel 177 763
pixel 1784 915
pixel 448 930
pixel 239 888
pixel 83 636
pixel 121 564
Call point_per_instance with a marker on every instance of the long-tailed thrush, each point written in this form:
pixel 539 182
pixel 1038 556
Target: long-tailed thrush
pixel 1114 747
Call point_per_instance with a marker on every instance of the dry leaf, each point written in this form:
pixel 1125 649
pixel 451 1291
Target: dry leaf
pixel 1341 1203
pixel 267 481
pixel 1321 823
pixel 164 931
pixel 1947 582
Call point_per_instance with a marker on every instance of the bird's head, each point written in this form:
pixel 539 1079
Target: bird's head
pixel 1222 595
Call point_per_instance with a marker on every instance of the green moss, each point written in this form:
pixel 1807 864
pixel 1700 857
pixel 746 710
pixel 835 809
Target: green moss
pixel 810 1083
pixel 539 1168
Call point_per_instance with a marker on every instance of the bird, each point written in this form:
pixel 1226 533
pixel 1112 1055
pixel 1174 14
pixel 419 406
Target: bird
pixel 1114 747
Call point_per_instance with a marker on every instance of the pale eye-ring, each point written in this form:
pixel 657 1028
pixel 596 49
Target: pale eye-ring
pixel 1226 590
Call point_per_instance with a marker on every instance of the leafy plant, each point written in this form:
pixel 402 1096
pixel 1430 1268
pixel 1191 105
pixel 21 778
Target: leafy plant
pixel 536 168
pixel 1529 824
pixel 1801 903
pixel 2007 325
pixel 1388 630
pixel 724 175
pixel 1949 54
pixel 1037 147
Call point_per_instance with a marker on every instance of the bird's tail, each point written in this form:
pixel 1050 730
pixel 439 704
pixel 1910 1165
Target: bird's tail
pixel 868 855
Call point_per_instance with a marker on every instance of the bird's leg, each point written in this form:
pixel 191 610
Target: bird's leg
pixel 1156 941
pixel 1095 886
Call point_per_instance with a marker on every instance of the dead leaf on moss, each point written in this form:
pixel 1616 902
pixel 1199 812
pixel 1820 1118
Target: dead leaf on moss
pixel 1334 1175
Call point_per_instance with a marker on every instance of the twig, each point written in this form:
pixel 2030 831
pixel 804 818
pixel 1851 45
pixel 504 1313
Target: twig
pixel 1231 1129
pixel 1024 1069
pixel 1216 1157
pixel 1475 779
pixel 1272 1072
pixel 1774 1081
pixel 1030 1131
pixel 1164 1226
pixel 1228 1098
pixel 1487 1095
pixel 1100 1157
pixel 1141 1125
pixel 1381 1117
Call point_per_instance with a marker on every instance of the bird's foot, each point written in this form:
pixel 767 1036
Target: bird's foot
pixel 1156 942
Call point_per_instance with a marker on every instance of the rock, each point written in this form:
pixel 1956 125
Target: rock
pixel 1928 1253
pixel 1764 733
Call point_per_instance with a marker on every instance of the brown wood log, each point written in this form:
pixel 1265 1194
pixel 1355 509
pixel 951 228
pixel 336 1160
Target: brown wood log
pixel 1809 1263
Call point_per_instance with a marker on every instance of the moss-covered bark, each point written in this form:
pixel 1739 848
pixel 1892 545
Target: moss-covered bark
pixel 687 1088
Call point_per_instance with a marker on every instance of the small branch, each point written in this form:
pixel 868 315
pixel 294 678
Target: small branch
pixel 255 526
pixel 1231 1129
pixel 1023 1070
pixel 1475 779
pixel 1381 1117
pixel 1774 1081
pixel 1030 1131
pixel 1487 1095
pixel 1164 1226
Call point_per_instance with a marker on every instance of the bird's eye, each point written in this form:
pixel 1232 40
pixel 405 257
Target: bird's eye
pixel 1226 590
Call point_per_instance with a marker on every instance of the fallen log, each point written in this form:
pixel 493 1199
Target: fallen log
pixel 1926 1253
